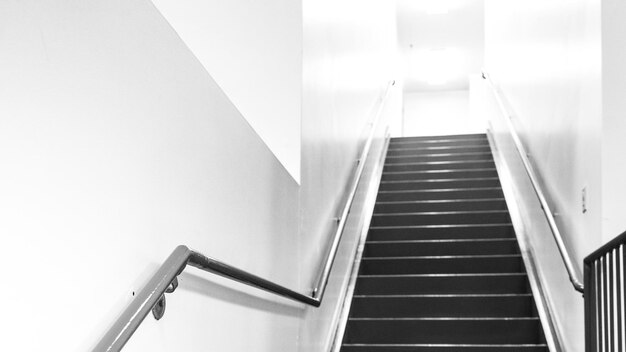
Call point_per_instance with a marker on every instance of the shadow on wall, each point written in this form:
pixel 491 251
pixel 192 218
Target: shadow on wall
pixel 214 290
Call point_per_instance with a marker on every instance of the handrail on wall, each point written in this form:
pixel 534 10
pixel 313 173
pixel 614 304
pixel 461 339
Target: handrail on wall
pixel 152 295
pixel 567 259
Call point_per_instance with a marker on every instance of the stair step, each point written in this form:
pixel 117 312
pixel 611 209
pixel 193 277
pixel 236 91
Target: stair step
pixel 443 348
pixel 439 174
pixel 441 218
pixel 460 143
pixel 438 156
pixel 440 194
pixel 433 232
pixel 441 247
pixel 439 165
pixel 439 183
pixel 508 330
pixel 440 205
pixel 471 136
pixel 416 142
pixel 429 149
pixel 442 284
pixel 438 306
pixel 506 263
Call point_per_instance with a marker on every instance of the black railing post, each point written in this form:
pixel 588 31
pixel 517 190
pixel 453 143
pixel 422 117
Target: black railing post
pixel 590 314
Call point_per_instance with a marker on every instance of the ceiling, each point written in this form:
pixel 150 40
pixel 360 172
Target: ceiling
pixel 441 43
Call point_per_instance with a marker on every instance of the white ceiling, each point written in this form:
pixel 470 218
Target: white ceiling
pixel 441 43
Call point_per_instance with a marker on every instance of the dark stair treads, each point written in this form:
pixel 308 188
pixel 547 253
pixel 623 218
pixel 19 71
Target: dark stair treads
pixel 438 156
pixel 441 306
pixel 439 183
pixel 472 136
pixel 396 144
pixel 439 165
pixel 433 232
pixel 441 269
pixel 440 194
pixel 433 174
pixel 443 348
pixel 444 330
pixel 506 263
pixel 479 246
pixel 440 205
pixel 442 284
pixel 442 218
pixel 398 151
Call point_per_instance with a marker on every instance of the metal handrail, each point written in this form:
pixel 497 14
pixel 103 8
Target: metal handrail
pixel 152 295
pixel 556 233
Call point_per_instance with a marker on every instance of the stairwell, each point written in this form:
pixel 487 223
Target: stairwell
pixel 441 269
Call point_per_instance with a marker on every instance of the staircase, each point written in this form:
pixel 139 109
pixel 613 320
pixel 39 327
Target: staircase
pixel 441 269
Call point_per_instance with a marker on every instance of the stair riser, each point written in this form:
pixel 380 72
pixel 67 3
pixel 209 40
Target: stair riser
pixel 471 136
pixel 443 165
pixel 438 174
pixel 442 307
pixel 444 331
pixel 404 185
pixel 462 348
pixel 415 207
pixel 437 156
pixel 408 151
pixel 434 233
pixel 443 143
pixel 441 285
pixel 439 195
pixel 441 265
pixel 382 249
pixel 440 219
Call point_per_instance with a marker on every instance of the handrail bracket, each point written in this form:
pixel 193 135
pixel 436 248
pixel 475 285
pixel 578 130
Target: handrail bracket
pixel 158 311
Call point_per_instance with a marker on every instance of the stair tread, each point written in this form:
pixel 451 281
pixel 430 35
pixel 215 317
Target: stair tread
pixel 459 200
pixel 466 295
pixel 445 256
pixel 462 240
pixel 442 225
pixel 446 275
pixel 449 319
pixel 446 154
pixel 446 345
pixel 442 171
pixel 441 190
pixel 442 180
pixel 442 345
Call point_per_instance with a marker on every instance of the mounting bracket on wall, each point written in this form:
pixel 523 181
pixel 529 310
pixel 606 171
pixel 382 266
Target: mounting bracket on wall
pixel 159 308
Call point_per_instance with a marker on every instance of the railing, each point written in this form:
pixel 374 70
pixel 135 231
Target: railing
pixel 604 297
pixel 152 296
pixel 567 259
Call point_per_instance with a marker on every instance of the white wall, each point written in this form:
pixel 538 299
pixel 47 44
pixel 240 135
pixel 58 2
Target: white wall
pixel 533 230
pixel 348 48
pixel 442 41
pixel 116 146
pixel 439 113
pixel 613 118
pixel 253 50
pixel 545 59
